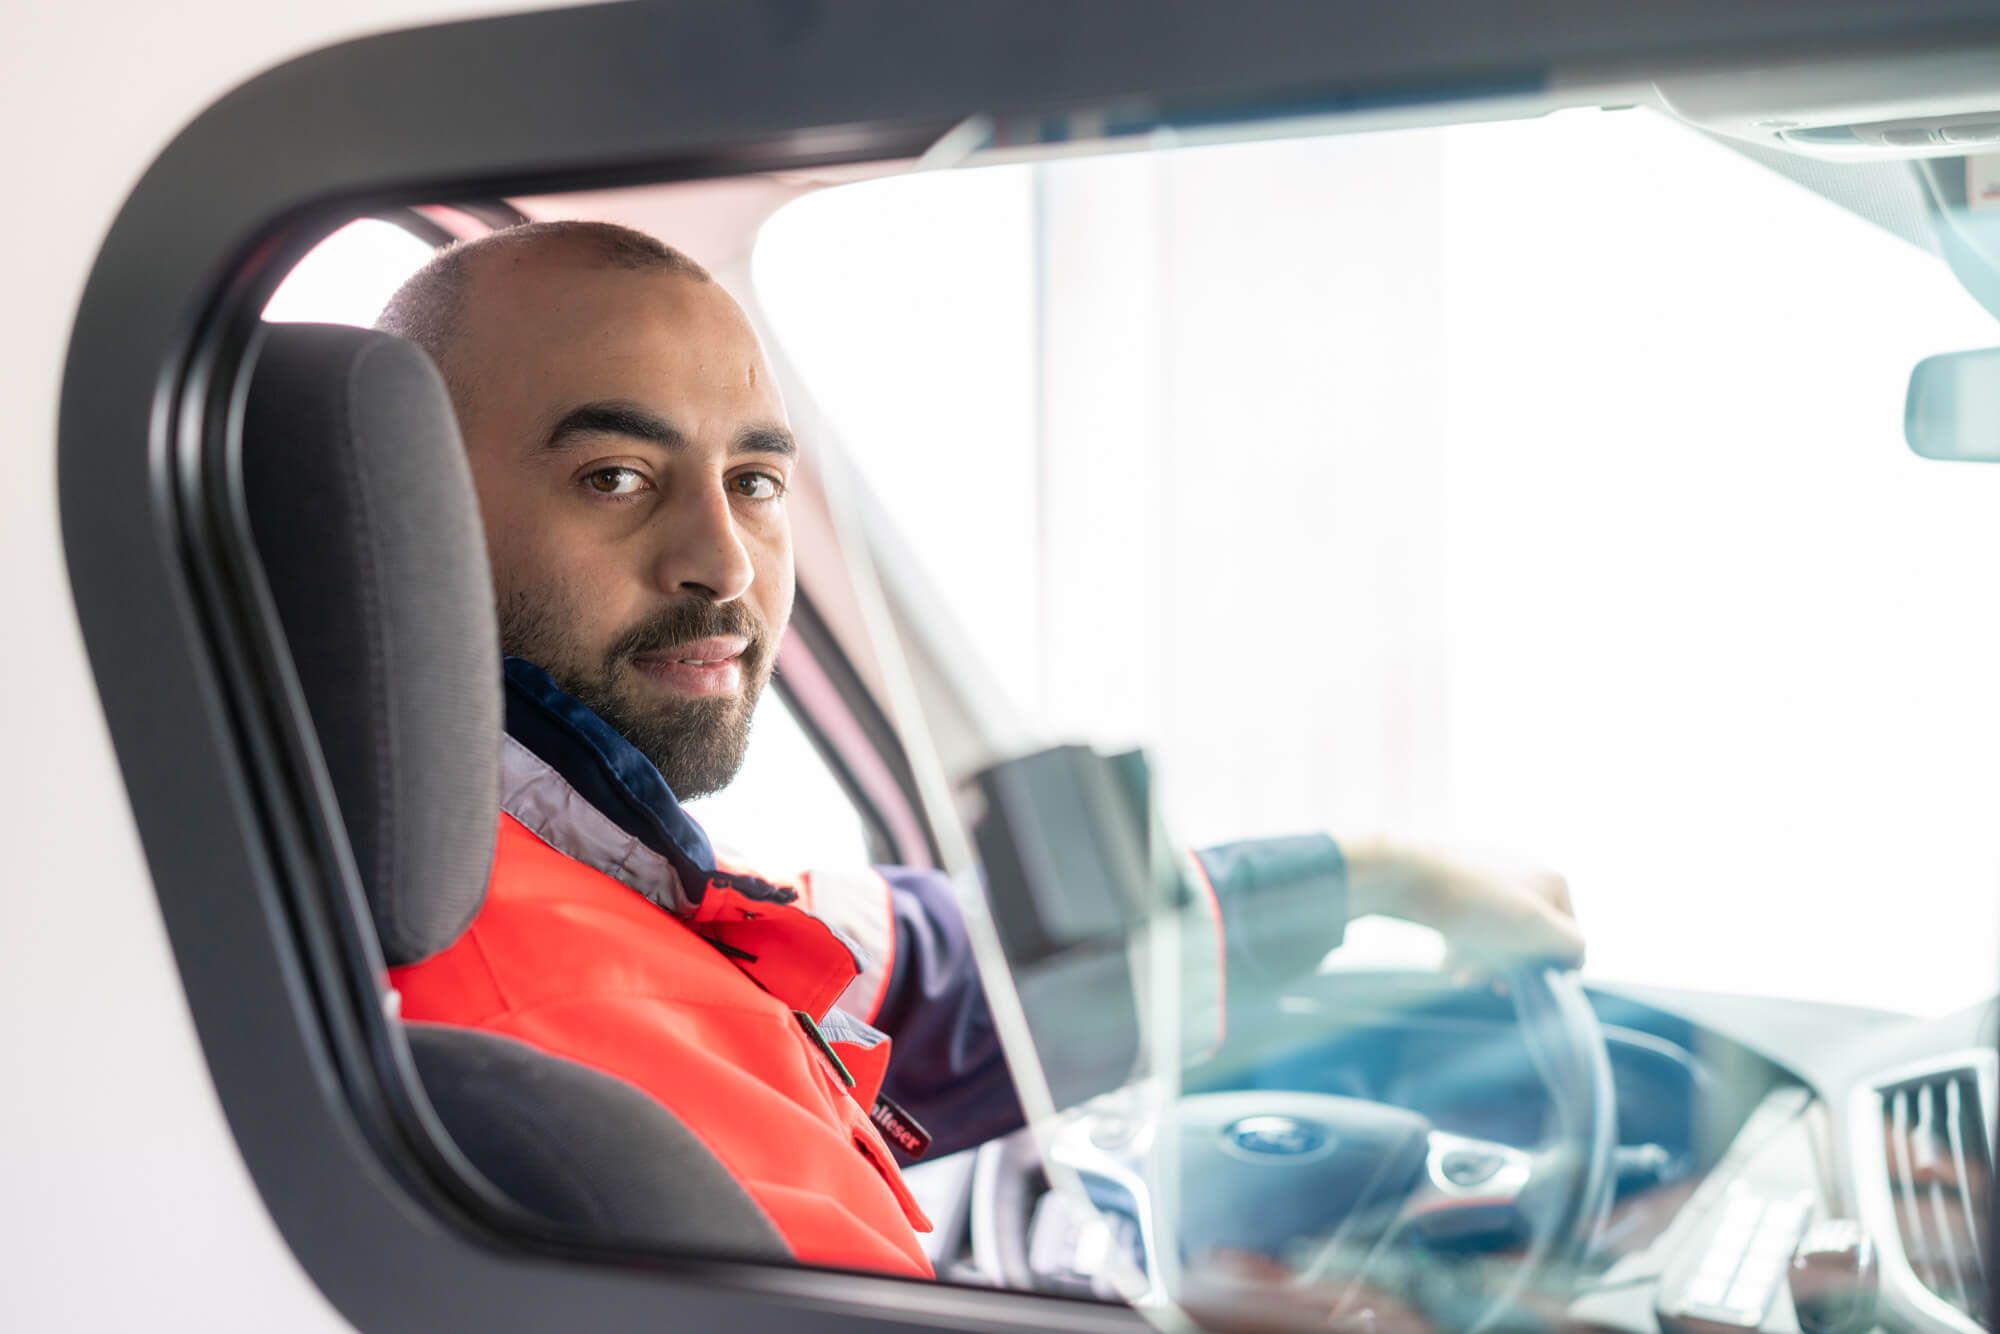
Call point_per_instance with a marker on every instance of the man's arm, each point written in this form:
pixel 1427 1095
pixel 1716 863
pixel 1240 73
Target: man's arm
pixel 947 1068
pixel 1283 904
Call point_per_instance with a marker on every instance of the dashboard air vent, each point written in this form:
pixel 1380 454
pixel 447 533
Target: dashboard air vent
pixel 1940 1166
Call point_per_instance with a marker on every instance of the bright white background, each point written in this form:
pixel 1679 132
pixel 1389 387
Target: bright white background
pixel 1538 486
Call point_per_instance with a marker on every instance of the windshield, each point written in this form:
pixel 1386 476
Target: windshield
pixel 1536 486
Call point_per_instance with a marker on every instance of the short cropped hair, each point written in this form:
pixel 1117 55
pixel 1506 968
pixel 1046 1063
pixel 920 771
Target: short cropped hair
pixel 429 308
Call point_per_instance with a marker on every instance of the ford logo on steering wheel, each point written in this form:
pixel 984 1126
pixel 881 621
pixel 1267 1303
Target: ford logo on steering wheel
pixel 1275 1136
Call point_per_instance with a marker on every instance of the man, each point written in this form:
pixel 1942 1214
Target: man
pixel 632 458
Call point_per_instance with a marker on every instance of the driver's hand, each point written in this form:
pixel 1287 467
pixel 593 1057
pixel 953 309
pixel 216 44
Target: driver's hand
pixel 1491 912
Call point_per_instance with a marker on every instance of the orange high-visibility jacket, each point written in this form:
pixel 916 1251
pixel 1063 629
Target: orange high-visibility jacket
pixel 698 1012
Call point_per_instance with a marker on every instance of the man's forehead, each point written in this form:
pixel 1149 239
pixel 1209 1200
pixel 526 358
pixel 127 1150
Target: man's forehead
pixel 578 328
pixel 523 294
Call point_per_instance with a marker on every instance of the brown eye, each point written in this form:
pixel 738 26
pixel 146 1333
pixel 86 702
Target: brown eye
pixel 758 486
pixel 614 481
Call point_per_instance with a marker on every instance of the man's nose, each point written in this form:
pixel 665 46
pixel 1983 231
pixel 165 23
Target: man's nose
pixel 703 550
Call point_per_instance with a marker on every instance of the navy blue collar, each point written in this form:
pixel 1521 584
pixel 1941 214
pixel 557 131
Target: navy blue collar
pixel 609 771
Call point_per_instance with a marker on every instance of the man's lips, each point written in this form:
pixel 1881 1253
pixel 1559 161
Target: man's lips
pixel 700 666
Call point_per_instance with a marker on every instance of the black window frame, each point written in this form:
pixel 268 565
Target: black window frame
pixel 232 819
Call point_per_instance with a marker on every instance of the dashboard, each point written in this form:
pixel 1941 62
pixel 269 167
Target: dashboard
pixel 1781 1166
pixel 1863 1174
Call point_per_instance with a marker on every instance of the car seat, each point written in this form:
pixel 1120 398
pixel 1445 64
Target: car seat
pixel 366 524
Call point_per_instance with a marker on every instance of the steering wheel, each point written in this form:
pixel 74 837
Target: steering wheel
pixel 1322 1185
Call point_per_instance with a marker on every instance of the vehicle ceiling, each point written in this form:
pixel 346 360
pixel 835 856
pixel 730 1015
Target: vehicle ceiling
pixel 1757 111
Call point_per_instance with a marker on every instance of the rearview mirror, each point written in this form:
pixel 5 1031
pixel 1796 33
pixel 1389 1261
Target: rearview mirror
pixel 1953 411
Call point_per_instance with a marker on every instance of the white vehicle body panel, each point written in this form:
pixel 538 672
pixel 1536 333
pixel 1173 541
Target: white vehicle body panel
pixel 126 1203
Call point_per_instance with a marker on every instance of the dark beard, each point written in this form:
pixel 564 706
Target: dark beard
pixel 696 743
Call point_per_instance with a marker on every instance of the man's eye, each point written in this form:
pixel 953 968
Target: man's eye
pixel 615 481
pixel 758 486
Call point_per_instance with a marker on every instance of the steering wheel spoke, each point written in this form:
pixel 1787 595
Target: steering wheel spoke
pixel 1472 1189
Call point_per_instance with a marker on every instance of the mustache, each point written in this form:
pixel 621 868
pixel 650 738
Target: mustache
pixel 688 620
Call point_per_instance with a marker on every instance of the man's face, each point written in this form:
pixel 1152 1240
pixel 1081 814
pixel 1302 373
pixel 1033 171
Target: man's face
pixel 632 457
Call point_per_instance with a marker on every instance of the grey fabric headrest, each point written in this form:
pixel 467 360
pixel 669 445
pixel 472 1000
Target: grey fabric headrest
pixel 365 518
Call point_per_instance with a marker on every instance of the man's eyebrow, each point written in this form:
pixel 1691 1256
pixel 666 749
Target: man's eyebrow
pixel 612 417
pixel 766 440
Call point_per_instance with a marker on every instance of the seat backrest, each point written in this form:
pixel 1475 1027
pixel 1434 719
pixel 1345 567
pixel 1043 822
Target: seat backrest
pixel 362 505
pixel 367 526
